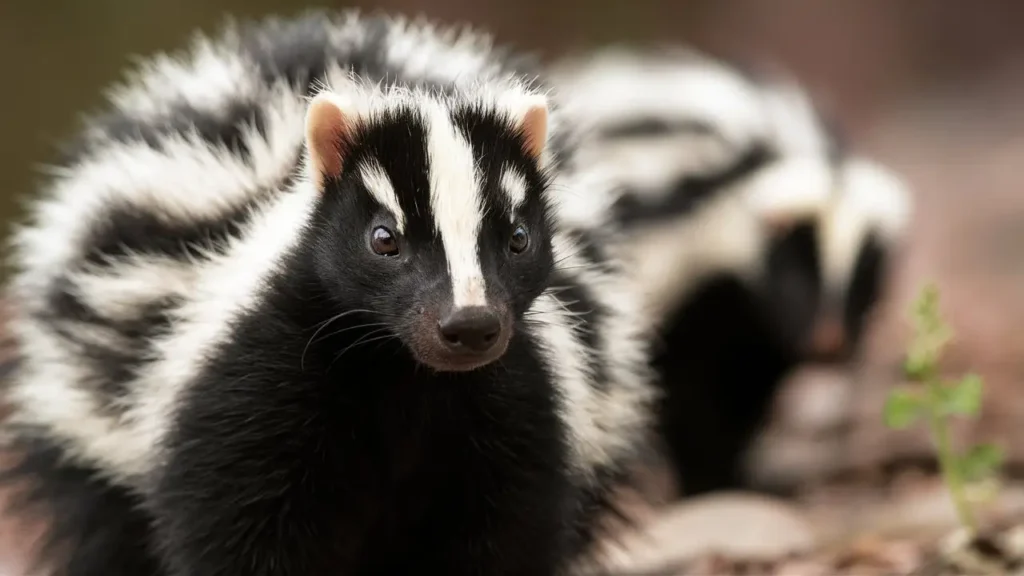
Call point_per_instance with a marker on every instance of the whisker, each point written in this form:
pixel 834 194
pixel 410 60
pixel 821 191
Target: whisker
pixel 575 267
pixel 337 316
pixel 336 332
pixel 358 342
pixel 322 325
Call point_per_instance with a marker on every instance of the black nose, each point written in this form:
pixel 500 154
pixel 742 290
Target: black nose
pixel 472 328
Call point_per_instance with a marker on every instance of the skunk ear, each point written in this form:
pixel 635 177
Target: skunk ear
pixel 532 113
pixel 330 121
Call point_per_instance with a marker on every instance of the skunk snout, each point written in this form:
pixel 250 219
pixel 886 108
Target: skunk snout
pixel 471 329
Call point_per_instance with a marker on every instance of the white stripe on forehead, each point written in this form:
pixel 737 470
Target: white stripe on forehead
pixel 513 184
pixel 873 199
pixel 456 204
pixel 379 185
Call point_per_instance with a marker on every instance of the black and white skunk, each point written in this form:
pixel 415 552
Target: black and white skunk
pixel 757 240
pixel 302 302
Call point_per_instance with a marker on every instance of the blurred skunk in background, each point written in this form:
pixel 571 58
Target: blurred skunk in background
pixel 758 241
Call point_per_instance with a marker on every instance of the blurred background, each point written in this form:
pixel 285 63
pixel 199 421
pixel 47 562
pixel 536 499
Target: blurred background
pixel 933 88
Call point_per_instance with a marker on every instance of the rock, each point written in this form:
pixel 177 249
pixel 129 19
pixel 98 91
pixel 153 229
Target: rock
pixel 733 524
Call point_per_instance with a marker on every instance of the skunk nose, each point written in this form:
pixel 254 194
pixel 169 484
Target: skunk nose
pixel 473 328
pixel 828 339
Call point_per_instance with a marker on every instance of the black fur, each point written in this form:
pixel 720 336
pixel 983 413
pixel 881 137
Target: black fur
pixel 95 529
pixel 690 191
pixel 720 362
pixel 728 348
pixel 648 127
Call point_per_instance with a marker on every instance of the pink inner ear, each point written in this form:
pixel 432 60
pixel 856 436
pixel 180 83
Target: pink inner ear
pixel 327 130
pixel 535 129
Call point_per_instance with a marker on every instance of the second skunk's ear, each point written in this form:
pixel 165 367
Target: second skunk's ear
pixel 533 120
pixel 330 121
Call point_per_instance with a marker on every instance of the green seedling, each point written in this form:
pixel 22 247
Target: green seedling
pixel 931 398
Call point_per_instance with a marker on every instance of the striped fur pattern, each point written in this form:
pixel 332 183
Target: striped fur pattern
pixel 219 375
pixel 758 241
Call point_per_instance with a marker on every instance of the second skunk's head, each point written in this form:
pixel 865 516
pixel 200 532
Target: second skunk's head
pixel 833 230
pixel 434 221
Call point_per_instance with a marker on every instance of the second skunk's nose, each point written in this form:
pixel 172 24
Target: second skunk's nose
pixel 472 329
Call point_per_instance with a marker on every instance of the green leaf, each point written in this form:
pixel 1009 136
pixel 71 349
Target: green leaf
pixel 925 309
pixel 902 408
pixel 917 367
pixel 963 397
pixel 981 461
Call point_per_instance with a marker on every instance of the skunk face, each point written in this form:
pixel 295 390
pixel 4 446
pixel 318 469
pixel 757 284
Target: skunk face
pixel 825 268
pixel 435 232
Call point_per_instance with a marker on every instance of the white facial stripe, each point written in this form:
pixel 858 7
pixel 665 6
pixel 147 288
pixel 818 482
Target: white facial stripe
pixel 872 200
pixel 379 185
pixel 843 233
pixel 514 185
pixel 800 187
pixel 455 197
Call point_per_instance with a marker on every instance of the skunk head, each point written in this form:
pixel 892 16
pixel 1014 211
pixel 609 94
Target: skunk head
pixel 832 231
pixel 860 235
pixel 433 223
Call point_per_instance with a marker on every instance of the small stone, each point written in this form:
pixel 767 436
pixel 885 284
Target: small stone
pixel 733 524
pixel 815 399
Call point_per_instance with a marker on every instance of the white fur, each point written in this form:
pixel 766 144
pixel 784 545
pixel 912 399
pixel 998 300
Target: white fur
pixel 457 207
pixel 795 188
pixel 616 85
pixel 872 200
pixel 422 49
pixel 605 426
pixel 793 120
pixel 122 288
pixel 210 79
pixel 226 287
pixel 187 179
pixel 379 185
pixel 671 259
pixel 514 186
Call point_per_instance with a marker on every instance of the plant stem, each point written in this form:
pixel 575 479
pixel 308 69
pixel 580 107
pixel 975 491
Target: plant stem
pixel 947 459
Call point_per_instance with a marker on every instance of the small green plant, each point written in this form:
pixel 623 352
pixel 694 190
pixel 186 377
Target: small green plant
pixel 934 399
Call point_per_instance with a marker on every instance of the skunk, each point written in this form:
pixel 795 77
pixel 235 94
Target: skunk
pixel 757 239
pixel 302 302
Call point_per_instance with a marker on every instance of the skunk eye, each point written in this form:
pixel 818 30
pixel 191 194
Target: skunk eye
pixel 519 240
pixel 383 242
